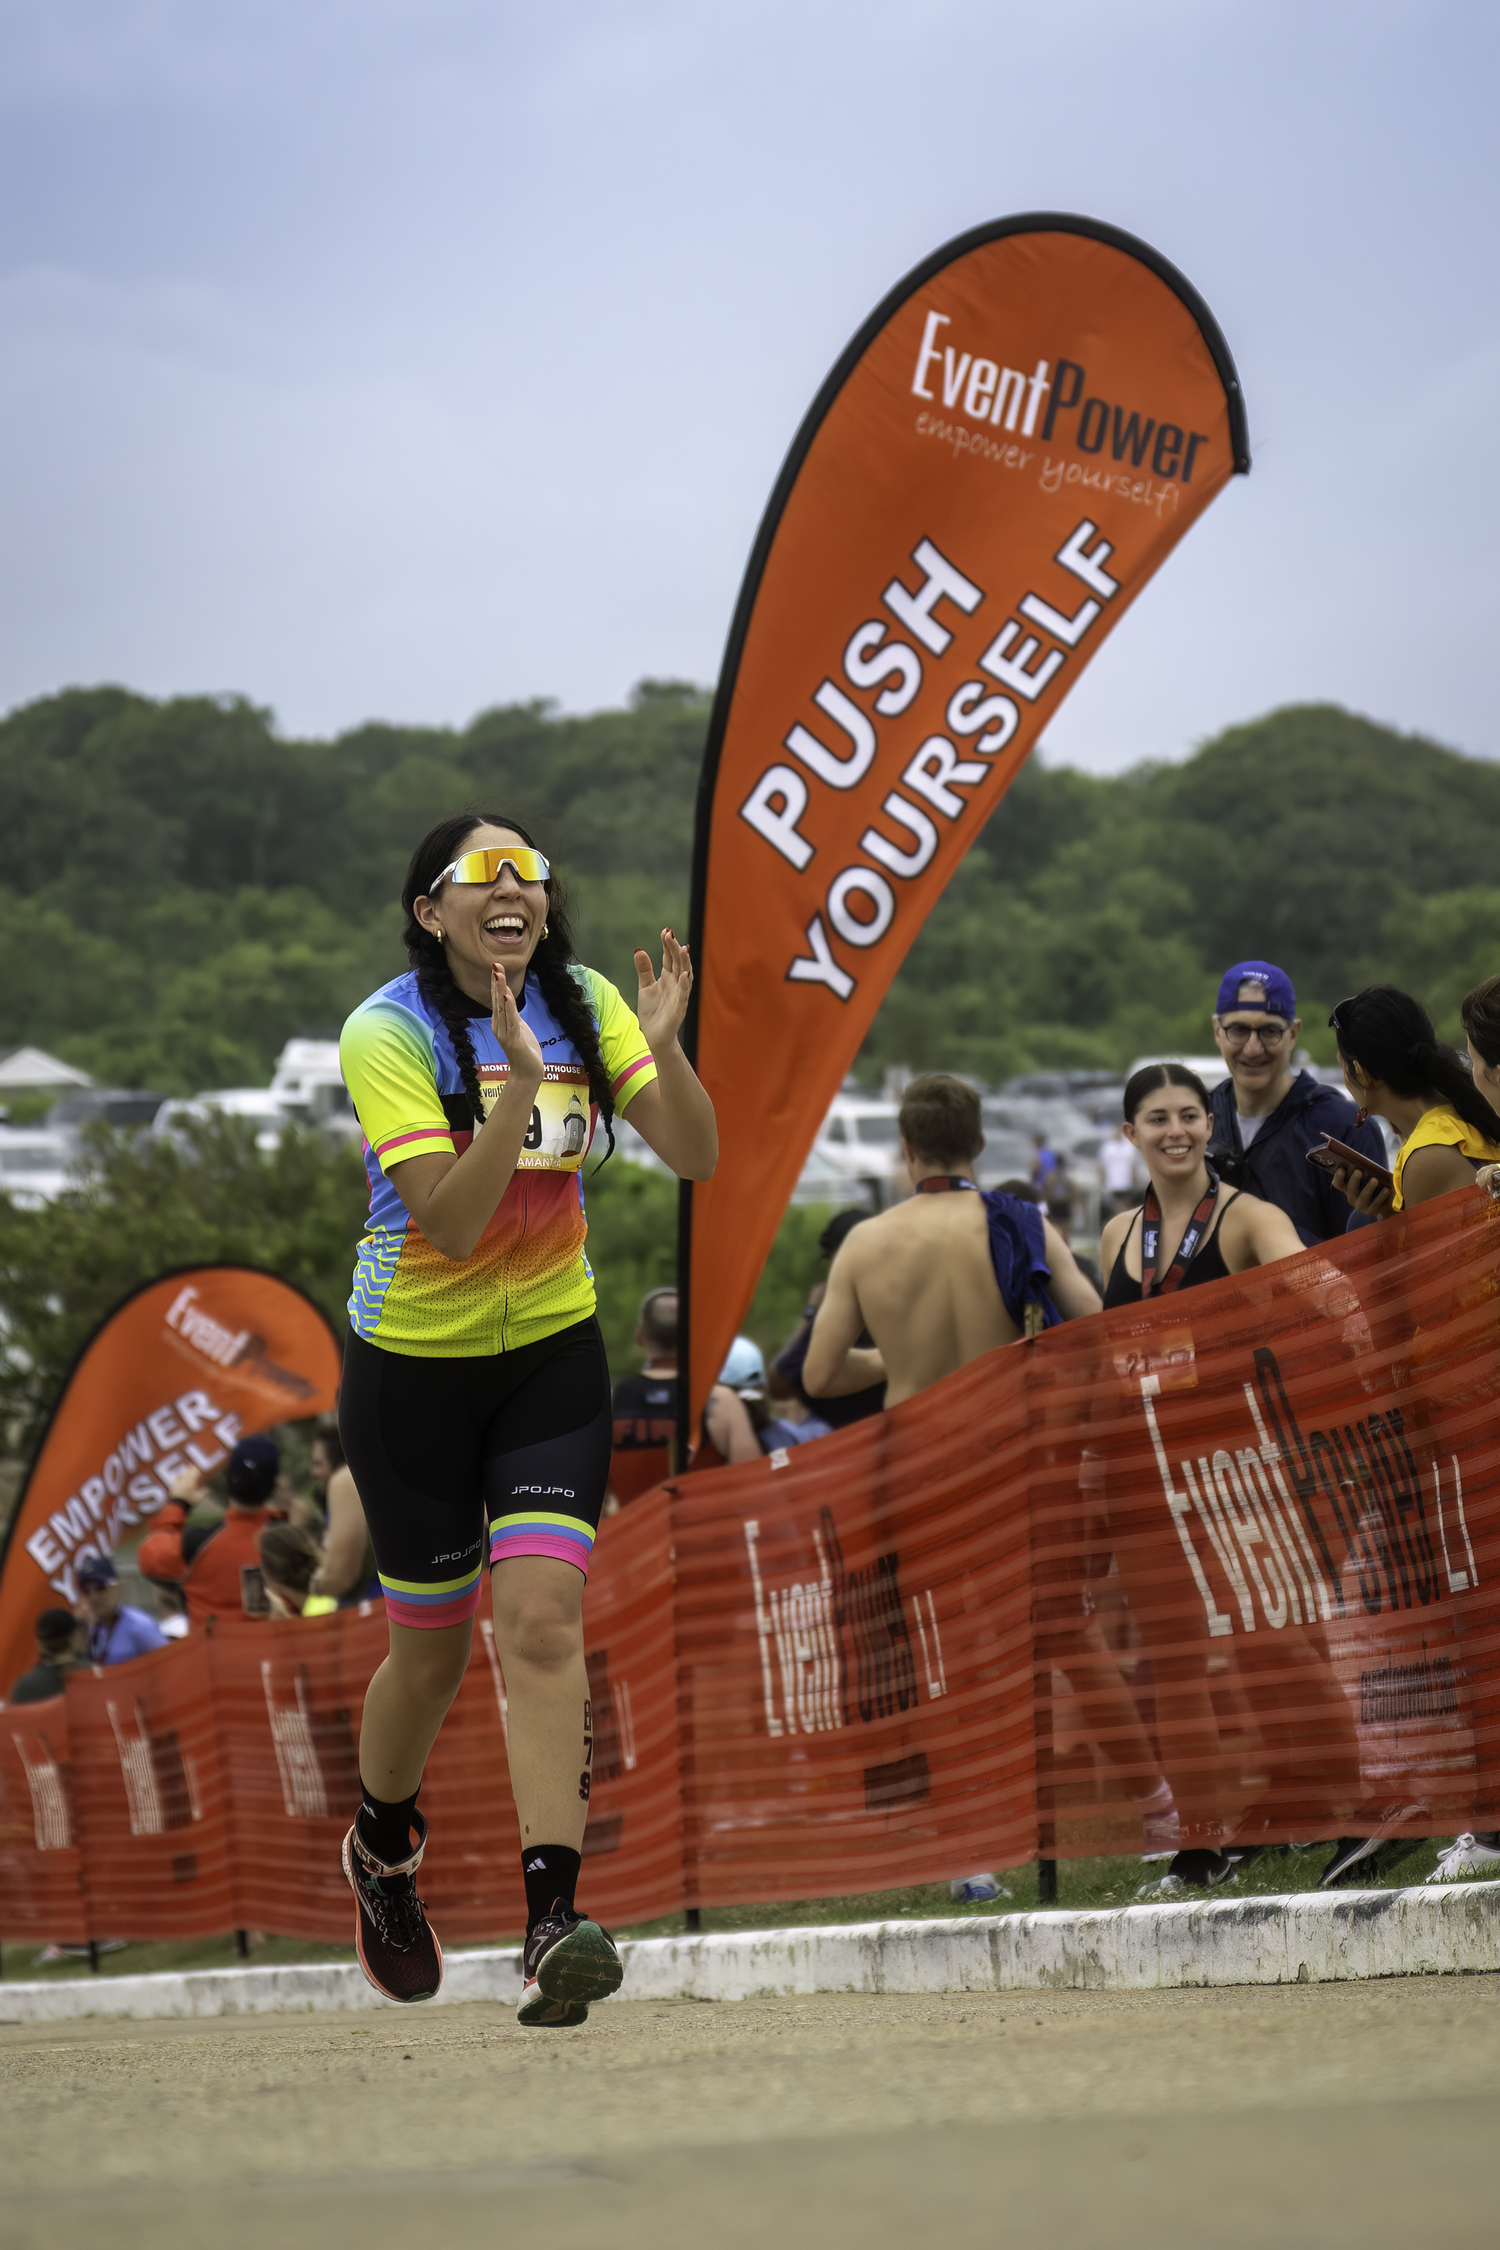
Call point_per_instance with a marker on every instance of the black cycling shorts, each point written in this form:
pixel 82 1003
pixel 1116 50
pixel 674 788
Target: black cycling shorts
pixel 451 1456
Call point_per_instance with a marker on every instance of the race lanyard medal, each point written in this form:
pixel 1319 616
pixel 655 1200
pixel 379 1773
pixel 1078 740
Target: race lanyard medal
pixel 1151 1236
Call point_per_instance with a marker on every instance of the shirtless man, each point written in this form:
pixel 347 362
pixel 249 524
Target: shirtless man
pixel 920 1277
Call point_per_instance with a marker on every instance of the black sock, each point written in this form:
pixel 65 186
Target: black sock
pixel 550 1872
pixel 386 1829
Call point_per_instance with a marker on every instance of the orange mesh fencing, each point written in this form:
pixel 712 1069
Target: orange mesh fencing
pixel 1233 1554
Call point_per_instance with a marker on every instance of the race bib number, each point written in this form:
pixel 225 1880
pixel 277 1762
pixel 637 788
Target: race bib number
pixel 558 1136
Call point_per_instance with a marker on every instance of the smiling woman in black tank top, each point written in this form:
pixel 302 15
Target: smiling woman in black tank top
pixel 1191 1230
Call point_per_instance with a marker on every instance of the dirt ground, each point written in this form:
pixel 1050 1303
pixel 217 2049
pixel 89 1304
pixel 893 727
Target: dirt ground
pixel 1116 2119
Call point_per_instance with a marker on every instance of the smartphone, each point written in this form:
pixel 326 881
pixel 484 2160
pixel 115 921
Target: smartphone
pixel 1337 1156
pixel 253 1596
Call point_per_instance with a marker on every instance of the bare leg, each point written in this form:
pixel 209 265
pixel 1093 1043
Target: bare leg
pixel 406 1703
pixel 539 1637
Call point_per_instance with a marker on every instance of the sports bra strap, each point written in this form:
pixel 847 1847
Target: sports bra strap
pixel 1230 1195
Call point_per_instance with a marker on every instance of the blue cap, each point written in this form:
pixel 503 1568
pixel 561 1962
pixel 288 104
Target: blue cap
pixel 1257 984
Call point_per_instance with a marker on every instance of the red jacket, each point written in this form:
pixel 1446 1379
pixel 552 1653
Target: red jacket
pixel 212 1578
pixel 212 1583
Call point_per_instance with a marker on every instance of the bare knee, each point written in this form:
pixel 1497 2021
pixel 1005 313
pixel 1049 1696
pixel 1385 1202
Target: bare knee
pixel 430 1665
pixel 539 1614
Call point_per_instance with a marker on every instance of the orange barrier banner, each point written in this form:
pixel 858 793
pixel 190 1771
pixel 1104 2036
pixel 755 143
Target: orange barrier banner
pixel 1004 456
pixel 41 1865
pixel 1222 1567
pixel 175 1376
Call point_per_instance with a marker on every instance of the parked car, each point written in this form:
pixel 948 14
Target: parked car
pixel 36 1164
pixel 128 1108
pixel 859 1145
pixel 822 1182
pixel 1097 1092
pixel 1070 1131
pixel 1006 1154
pixel 307 1082
pixel 255 1102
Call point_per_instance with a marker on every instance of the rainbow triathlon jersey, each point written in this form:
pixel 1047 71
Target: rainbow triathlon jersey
pixel 527 1276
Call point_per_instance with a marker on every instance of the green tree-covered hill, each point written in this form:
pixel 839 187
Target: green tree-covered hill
pixel 181 887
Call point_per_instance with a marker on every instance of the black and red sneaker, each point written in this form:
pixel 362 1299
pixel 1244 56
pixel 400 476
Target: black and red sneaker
pixel 568 1962
pixel 397 1945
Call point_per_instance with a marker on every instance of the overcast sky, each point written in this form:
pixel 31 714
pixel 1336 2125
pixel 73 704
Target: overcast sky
pixel 396 358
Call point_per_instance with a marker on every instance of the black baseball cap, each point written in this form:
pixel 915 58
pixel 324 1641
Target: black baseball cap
pixel 253 1468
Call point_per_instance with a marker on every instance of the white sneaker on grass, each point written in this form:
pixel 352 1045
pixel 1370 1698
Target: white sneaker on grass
pixel 1468 1855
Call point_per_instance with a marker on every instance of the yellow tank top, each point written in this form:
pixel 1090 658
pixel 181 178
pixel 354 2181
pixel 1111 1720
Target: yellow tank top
pixel 1444 1128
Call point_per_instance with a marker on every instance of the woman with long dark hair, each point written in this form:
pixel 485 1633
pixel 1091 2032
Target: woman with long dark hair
pixel 475 1409
pixel 1396 1067
pixel 1191 1229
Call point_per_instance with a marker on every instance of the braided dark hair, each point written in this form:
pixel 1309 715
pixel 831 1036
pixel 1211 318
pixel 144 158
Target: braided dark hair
pixel 551 965
pixel 1392 1039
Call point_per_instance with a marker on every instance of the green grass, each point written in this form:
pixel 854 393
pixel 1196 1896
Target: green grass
pixel 1081 1883
pixel 21 1965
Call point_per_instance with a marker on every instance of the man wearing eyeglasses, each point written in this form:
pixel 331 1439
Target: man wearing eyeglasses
pixel 1268 1115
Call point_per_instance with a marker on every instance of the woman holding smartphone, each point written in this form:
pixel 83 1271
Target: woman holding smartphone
pixel 1396 1067
pixel 475 1409
pixel 1190 1229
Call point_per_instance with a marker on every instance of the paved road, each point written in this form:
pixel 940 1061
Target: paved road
pixel 1064 2119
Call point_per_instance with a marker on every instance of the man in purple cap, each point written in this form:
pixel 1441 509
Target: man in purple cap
pixel 116 1630
pixel 1266 1115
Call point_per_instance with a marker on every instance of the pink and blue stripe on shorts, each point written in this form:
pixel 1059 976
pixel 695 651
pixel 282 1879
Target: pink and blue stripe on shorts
pixel 541 1531
pixel 447 1602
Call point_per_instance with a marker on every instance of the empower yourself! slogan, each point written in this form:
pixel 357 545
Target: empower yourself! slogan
pixel 171 1380
pixel 913 615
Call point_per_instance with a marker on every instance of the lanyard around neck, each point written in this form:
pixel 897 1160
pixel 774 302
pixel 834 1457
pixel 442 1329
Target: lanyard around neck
pixel 943 1183
pixel 1151 1236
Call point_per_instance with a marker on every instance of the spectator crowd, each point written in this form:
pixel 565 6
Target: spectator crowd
pixel 1196 1185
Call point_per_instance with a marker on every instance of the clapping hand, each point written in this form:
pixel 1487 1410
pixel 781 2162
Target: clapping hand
pixel 663 1001
pixel 516 1037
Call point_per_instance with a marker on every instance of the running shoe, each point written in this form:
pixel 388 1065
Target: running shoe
pixel 1204 1868
pixel 1358 1858
pixel 568 1962
pixel 397 1945
pixel 1469 1855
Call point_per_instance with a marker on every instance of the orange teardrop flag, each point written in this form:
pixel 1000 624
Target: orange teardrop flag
pixel 173 1378
pixel 1006 452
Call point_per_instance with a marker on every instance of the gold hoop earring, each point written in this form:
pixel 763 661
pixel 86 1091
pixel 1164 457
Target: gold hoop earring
pixel 546 929
pixel 438 935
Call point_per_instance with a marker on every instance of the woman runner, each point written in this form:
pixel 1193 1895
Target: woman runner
pixel 475 1409
pixel 1190 1228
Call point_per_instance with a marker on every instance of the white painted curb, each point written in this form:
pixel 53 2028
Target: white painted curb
pixel 1312 1938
